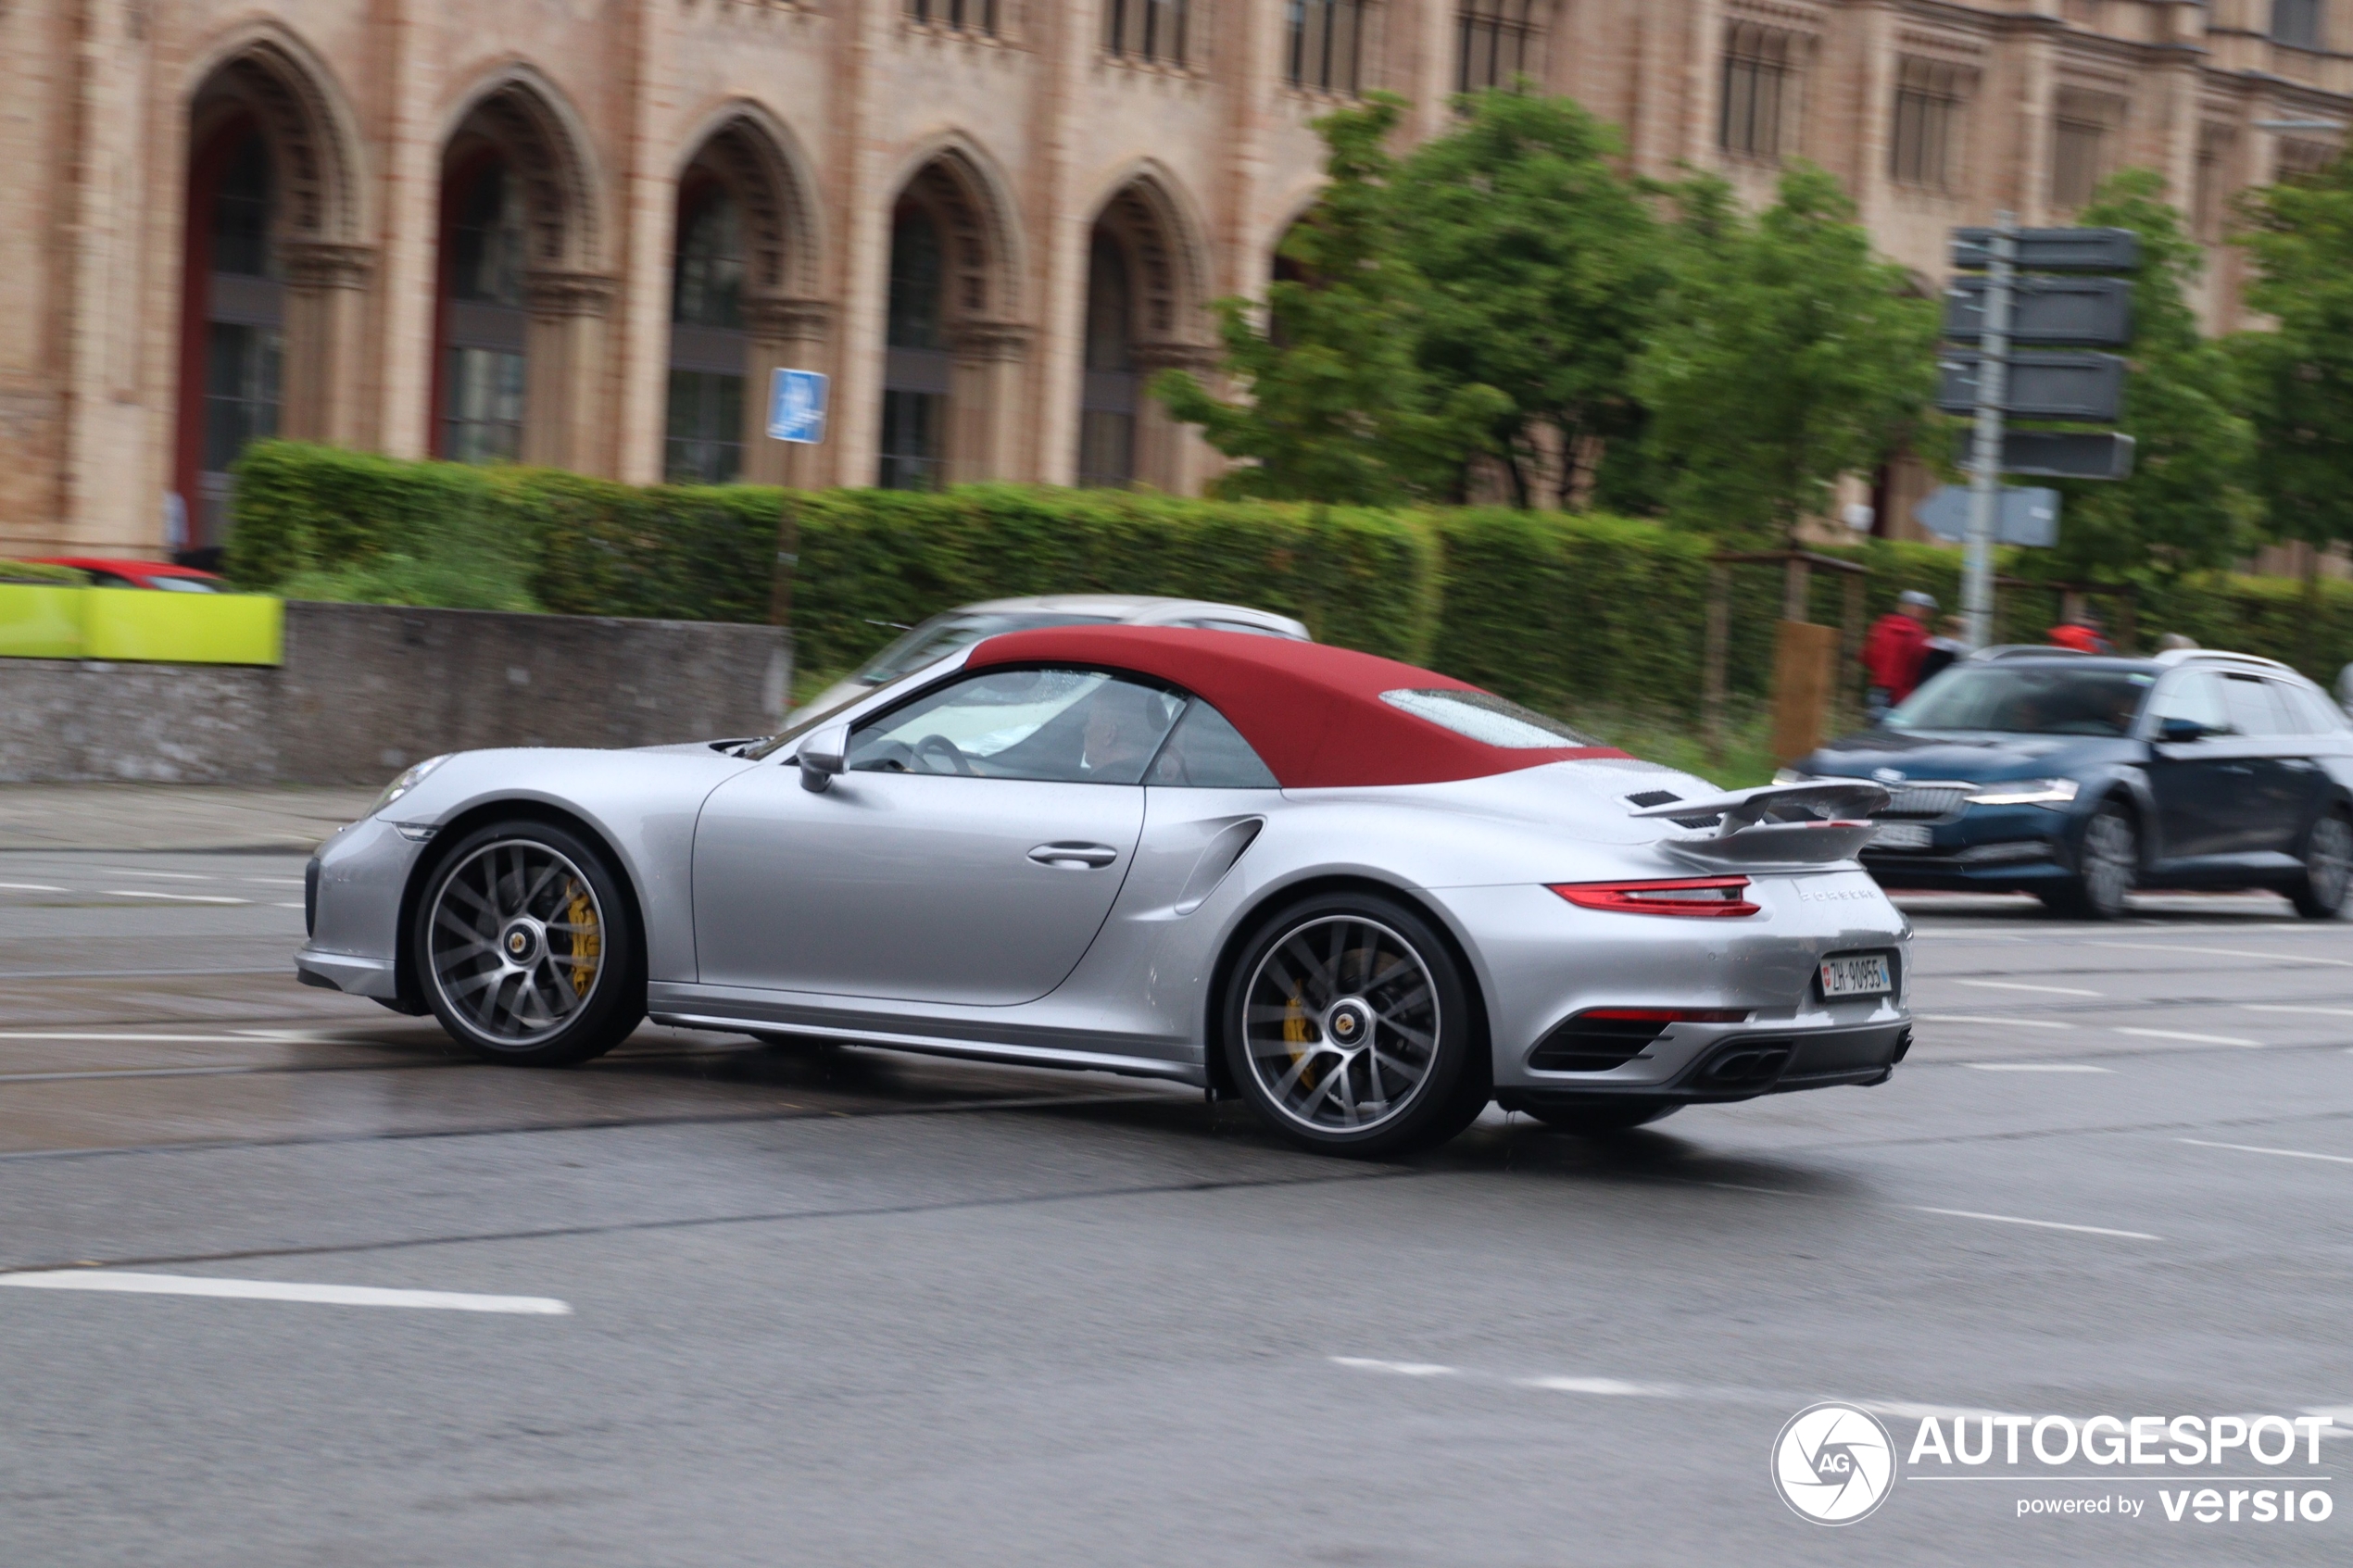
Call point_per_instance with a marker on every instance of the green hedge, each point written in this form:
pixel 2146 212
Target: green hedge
pixel 1565 612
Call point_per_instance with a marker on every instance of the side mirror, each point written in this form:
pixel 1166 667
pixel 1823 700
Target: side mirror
pixel 822 754
pixel 2174 732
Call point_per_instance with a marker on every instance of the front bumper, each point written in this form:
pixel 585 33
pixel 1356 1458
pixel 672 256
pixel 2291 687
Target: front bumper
pixel 354 888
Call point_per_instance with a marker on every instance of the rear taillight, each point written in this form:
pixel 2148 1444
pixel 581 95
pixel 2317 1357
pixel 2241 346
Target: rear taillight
pixel 1704 896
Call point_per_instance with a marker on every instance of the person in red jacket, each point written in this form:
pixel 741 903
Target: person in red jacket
pixel 2081 631
pixel 1891 653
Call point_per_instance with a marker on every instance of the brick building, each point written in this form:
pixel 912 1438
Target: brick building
pixel 580 231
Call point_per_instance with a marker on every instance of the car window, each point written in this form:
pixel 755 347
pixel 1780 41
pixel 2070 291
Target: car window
pixel 1213 623
pixel 2253 710
pixel 1487 718
pixel 2321 716
pixel 1076 726
pixel 184 585
pixel 2027 699
pixel 943 635
pixel 1207 752
pixel 2195 694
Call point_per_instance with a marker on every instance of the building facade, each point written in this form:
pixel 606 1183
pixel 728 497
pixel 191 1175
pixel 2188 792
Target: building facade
pixel 582 232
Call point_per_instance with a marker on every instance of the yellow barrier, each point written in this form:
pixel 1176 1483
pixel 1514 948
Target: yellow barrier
pixel 135 625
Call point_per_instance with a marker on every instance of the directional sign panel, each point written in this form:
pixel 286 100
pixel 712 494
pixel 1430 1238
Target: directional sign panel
pixel 2028 517
pixel 2086 310
pixel 2053 250
pixel 2054 454
pixel 797 407
pixel 2089 387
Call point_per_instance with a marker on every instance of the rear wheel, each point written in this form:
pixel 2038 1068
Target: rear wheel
pixel 1350 1029
pixel 524 947
pixel 1601 1121
pixel 2108 867
pixel 2328 869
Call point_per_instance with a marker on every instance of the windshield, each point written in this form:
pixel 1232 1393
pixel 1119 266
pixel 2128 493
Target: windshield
pixel 943 635
pixel 2027 700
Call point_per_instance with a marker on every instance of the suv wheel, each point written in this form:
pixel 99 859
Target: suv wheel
pixel 2107 866
pixel 524 949
pixel 2328 869
pixel 1349 1028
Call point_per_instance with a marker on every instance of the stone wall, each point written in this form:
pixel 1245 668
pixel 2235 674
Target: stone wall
pixel 366 689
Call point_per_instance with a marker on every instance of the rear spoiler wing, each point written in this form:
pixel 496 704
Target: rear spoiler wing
pixel 1817 824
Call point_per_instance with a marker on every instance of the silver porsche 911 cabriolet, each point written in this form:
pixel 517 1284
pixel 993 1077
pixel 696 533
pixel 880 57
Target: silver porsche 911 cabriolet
pixel 1364 897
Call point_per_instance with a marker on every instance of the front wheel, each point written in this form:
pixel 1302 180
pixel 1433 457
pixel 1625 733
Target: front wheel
pixel 1350 1029
pixel 524 947
pixel 2328 869
pixel 2107 868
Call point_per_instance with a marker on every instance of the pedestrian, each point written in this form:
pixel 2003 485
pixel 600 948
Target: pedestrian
pixel 2081 631
pixel 2172 641
pixel 1891 653
pixel 1949 645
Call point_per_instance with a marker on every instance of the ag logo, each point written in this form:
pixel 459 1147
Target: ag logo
pixel 1833 1463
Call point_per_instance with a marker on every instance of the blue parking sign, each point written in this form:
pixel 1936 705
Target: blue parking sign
pixel 797 407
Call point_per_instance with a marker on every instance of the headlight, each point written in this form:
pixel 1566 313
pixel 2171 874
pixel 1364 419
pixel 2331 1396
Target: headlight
pixel 1790 775
pixel 2027 792
pixel 407 781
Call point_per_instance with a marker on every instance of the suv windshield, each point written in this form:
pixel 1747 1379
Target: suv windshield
pixel 2027 700
pixel 943 635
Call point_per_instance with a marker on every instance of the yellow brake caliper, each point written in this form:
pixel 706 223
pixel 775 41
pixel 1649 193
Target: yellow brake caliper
pixel 586 942
pixel 1295 1033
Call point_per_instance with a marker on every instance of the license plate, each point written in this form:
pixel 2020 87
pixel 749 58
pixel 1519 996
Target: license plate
pixel 1900 836
pixel 1864 976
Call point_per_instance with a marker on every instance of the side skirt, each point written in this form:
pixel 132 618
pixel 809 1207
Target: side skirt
pixel 934 1045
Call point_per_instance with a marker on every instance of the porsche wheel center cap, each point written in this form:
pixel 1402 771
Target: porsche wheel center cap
pixel 1348 1023
pixel 519 944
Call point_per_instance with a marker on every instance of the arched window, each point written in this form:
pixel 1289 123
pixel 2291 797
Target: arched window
pixel 233 349
pixel 1107 401
pixel 705 439
pixel 485 326
pixel 916 367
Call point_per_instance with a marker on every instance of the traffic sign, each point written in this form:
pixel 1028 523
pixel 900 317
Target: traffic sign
pixel 2028 517
pixel 2086 310
pixel 797 407
pixel 2052 250
pixel 2039 387
pixel 2065 454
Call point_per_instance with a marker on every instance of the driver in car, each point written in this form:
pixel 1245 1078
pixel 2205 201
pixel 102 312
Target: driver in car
pixel 1122 732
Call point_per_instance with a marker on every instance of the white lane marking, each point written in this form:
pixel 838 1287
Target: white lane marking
pixel 175 897
pixel 297 904
pixel 2033 1067
pixel 1606 1386
pixel 246 1038
pixel 30 887
pixel 1983 1018
pixel 2219 952
pixel 1403 1369
pixel 2284 1007
pixel 161 877
pixel 274 880
pixel 2283 1153
pixel 279 1291
pixel 2038 1224
pixel 2021 986
pixel 2194 1039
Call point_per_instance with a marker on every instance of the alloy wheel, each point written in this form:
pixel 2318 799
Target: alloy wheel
pixel 2328 860
pixel 2112 862
pixel 1341 1022
pixel 516 942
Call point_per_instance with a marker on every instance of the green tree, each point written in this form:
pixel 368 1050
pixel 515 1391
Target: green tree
pixel 1543 264
pixel 1785 354
pixel 2297 381
pixel 1335 406
pixel 2186 507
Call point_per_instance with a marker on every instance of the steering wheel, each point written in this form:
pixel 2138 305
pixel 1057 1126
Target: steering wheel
pixel 940 746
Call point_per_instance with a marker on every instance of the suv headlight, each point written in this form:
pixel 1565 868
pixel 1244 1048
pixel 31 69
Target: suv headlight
pixel 408 781
pixel 2026 792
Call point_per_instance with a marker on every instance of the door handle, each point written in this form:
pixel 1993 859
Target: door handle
pixel 1074 856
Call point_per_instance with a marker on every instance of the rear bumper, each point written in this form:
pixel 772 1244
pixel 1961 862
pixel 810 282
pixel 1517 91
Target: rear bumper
pixel 1743 1063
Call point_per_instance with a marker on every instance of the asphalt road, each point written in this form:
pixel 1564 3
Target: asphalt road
pixel 767 1306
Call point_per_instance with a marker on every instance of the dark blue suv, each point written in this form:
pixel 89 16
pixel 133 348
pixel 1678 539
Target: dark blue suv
pixel 2078 778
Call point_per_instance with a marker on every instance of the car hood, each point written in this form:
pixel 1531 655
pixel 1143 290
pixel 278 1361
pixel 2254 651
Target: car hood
pixel 1972 755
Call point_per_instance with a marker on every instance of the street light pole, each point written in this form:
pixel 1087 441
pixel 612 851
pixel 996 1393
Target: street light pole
pixel 1986 454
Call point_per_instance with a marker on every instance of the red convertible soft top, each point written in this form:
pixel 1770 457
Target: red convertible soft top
pixel 1313 713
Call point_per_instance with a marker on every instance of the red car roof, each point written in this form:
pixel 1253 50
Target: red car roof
pixel 1313 713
